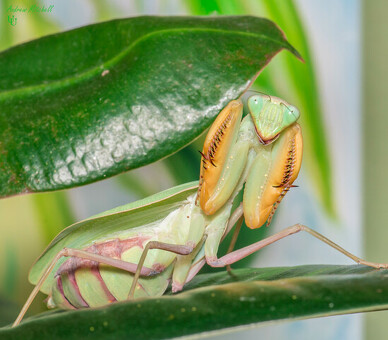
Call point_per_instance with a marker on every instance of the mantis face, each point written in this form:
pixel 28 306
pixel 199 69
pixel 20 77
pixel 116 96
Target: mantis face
pixel 271 116
pixel 264 151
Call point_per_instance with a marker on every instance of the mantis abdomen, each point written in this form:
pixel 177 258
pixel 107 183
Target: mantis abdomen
pixel 84 283
pixel 81 282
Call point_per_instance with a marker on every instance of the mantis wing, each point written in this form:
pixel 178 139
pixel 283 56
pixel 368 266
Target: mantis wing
pixel 109 224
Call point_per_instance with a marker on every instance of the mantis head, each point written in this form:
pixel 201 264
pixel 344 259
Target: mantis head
pixel 271 115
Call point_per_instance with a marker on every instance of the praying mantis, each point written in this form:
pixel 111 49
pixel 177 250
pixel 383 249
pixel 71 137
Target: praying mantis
pixel 136 250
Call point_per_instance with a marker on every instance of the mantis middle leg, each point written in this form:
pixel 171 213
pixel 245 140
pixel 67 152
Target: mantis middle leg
pixel 174 248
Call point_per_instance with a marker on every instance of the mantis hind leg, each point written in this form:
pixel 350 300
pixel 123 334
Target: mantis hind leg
pixel 243 252
pixel 69 252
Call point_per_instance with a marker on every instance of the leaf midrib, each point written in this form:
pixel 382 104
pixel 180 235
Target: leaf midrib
pixel 53 85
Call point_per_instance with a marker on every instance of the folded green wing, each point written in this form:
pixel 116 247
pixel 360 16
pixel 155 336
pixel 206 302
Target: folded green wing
pixel 84 233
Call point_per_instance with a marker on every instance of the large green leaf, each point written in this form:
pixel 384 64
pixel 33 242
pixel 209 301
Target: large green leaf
pixel 213 302
pixel 89 103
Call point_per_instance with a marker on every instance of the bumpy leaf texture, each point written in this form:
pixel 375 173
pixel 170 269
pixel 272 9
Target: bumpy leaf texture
pixel 86 104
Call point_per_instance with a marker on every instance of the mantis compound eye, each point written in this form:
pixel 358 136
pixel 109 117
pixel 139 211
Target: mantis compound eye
pixel 291 115
pixel 271 115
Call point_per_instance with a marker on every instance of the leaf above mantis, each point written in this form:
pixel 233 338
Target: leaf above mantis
pixel 86 104
pixel 213 302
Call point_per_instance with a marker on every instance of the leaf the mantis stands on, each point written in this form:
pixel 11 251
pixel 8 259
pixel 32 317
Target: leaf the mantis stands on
pixel 213 302
pixel 93 102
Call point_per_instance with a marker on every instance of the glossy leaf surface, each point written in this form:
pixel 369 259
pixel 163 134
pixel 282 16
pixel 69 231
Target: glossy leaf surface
pixel 213 302
pixel 93 102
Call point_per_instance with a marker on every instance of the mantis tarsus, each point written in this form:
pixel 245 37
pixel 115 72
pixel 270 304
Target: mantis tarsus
pixel 136 250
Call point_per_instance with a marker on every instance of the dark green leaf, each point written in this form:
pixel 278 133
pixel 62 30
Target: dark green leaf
pixel 90 103
pixel 218 301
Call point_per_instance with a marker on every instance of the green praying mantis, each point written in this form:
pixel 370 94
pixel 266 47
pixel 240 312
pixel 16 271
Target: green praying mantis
pixel 138 249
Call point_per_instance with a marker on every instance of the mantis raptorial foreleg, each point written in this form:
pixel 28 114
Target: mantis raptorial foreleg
pixel 243 252
pixel 68 252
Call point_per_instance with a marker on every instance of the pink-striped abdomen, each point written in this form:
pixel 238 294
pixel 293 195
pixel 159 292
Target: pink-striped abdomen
pixel 83 283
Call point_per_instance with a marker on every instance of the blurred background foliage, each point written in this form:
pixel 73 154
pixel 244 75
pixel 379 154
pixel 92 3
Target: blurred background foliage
pixel 30 222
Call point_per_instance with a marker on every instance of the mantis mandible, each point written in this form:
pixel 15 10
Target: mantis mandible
pixel 136 250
